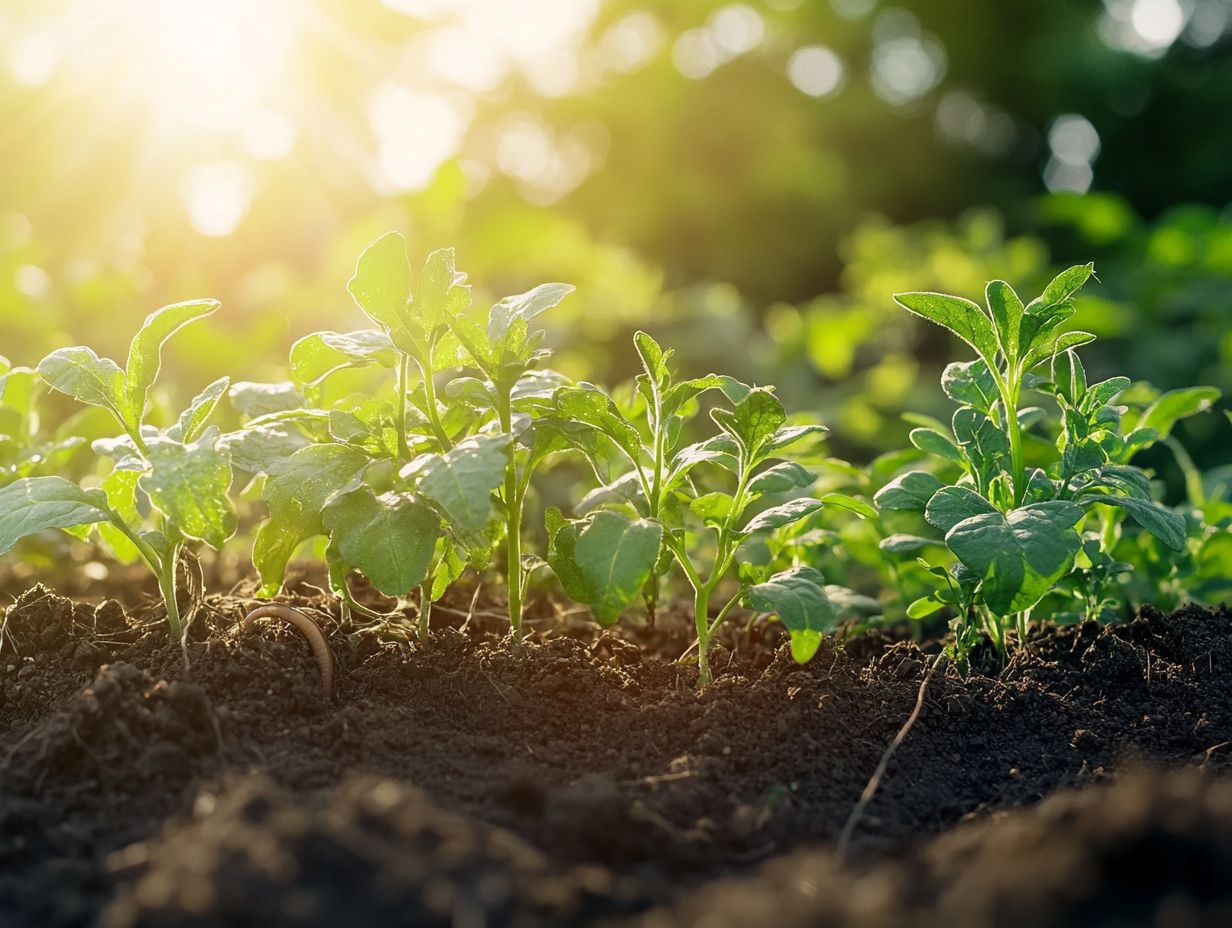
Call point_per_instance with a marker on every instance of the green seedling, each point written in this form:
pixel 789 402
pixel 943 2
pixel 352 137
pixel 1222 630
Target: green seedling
pixel 177 478
pixel 1014 527
pixel 654 513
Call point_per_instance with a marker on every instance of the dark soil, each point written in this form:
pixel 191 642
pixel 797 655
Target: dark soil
pixel 587 781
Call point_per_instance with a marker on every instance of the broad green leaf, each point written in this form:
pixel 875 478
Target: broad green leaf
pixel 1066 284
pixel 524 306
pixel 257 449
pixel 145 351
pixel 753 421
pixel 297 489
pixel 910 491
pixel 1006 309
pixel 1020 556
pixel 781 478
pixel 712 508
pixel 381 285
pixel 934 442
pixel 441 293
pixel 190 484
pixel 905 544
pixel 1069 376
pixel 924 607
pixel 798 597
pixel 192 420
pixel 951 505
pixel 788 435
pixel 459 483
pixel 1104 392
pixel 719 449
pixel 984 445
pixel 120 486
pixel 1175 405
pixel 784 514
pixel 590 405
pixel 972 384
pixel 562 542
pixel 389 538
pixel 627 488
pixel 86 377
pixel 1164 524
pixel 33 504
pixel 314 357
pixel 962 317
pixel 1064 342
pixel 680 394
pixel 850 503
pixel 616 555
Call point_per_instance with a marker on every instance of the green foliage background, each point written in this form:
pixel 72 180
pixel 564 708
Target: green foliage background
pixel 758 228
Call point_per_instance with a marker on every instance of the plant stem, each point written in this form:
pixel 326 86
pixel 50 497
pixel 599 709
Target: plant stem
pixel 425 610
pixel 1010 397
pixel 167 587
pixel 701 612
pixel 434 416
pixel 513 520
pixel 404 369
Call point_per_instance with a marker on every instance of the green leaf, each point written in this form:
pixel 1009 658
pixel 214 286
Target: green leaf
pixel 120 487
pixel 441 293
pixel 753 420
pixel 1064 342
pixel 381 285
pixel 590 405
pixel 784 514
pixel 851 504
pixel 905 544
pixel 314 357
pixel 654 358
pixel 984 445
pixel 562 542
pixel 972 384
pixel 679 394
pixel 1063 287
pixel 1069 377
pixel 145 351
pixel 1175 405
pixel 525 306
pixel 933 442
pixel 788 435
pixel 86 377
pixel 1006 309
pixel 191 484
pixel 616 555
pixel 951 505
pixel 910 491
pixel 798 597
pixel 924 607
pixel 32 504
pixel 1166 525
pixel 253 400
pixel 459 483
pixel 297 490
pixel 192 420
pixel 962 317
pixel 1018 557
pixel 627 488
pixel 712 508
pixel 781 478
pixel 389 538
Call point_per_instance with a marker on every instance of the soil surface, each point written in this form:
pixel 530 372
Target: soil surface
pixel 586 781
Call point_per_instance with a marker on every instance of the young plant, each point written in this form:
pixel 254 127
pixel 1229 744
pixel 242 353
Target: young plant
pixel 1015 529
pixel 404 486
pixel 179 474
pixel 660 516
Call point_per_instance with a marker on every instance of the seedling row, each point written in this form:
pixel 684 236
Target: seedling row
pixel 1028 505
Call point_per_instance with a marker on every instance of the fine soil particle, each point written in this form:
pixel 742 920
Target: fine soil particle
pixel 586 780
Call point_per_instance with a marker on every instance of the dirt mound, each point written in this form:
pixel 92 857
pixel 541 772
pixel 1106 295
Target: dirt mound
pixel 371 852
pixel 1154 850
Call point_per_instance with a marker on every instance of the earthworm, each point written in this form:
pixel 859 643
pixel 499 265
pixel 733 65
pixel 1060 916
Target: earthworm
pixel 306 627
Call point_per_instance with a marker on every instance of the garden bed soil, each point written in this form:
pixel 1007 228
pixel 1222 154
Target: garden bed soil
pixel 586 781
